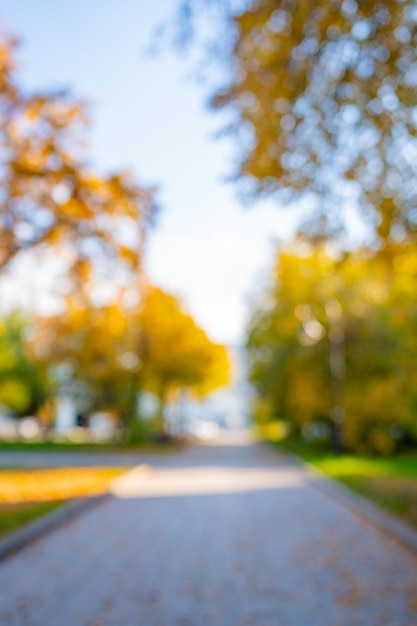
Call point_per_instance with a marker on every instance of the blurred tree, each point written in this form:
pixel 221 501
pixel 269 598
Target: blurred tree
pixel 289 344
pixel 176 353
pixel 93 345
pixel 115 351
pixel 24 384
pixel 48 195
pixel 217 371
pixel 323 101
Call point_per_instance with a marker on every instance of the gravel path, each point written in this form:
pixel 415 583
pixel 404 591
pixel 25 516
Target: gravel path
pixel 224 535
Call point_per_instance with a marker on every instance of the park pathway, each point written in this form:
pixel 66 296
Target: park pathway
pixel 227 535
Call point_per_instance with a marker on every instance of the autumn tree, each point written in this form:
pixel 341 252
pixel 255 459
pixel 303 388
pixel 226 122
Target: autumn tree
pixel 290 335
pixel 113 352
pixel 93 346
pixel 48 195
pixel 175 352
pixel 322 101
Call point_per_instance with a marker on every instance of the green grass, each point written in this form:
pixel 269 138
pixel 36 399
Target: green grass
pixel 399 496
pixel 40 446
pixel 389 482
pixel 347 464
pixel 13 517
pixel 26 494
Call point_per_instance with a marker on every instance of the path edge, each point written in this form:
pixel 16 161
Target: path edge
pixel 385 523
pixel 41 526
pixel 64 514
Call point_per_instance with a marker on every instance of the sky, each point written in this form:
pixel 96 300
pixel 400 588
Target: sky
pixel 149 116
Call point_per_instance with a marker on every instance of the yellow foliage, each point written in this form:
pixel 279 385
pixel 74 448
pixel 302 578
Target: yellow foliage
pixel 177 353
pixel 117 350
pixel 374 332
pixel 308 399
pixel 14 393
pixel 272 431
pixel 18 487
pixel 44 163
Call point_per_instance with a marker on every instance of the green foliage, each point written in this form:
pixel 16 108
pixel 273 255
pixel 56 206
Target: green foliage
pixel 389 482
pixel 141 430
pixel 290 345
pixel 24 384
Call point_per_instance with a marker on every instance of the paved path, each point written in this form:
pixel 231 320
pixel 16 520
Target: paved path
pixel 223 535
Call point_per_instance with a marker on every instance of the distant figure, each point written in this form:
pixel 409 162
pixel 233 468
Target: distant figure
pixel 82 419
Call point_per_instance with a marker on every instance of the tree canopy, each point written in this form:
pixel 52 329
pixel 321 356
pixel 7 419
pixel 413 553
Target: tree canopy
pixel 24 384
pixel 175 352
pixel 48 195
pixel 290 334
pixel 106 355
pixel 323 101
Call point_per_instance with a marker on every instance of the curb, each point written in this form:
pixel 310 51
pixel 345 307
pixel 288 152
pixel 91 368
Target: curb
pixel 391 527
pixel 386 524
pixel 66 513
pixel 43 525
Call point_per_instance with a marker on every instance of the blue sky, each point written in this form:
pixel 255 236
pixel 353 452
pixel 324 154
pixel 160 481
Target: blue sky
pixel 148 116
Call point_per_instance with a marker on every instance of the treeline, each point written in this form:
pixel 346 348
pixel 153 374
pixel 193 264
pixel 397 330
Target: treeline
pixel 332 346
pixel 113 335
pixel 320 98
pixel 104 357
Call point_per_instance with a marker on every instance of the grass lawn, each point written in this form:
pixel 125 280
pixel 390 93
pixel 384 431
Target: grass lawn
pixel 41 446
pixel 389 482
pixel 12 517
pixel 28 494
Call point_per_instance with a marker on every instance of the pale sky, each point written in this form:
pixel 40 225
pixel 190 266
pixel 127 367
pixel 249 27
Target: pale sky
pixel 148 116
